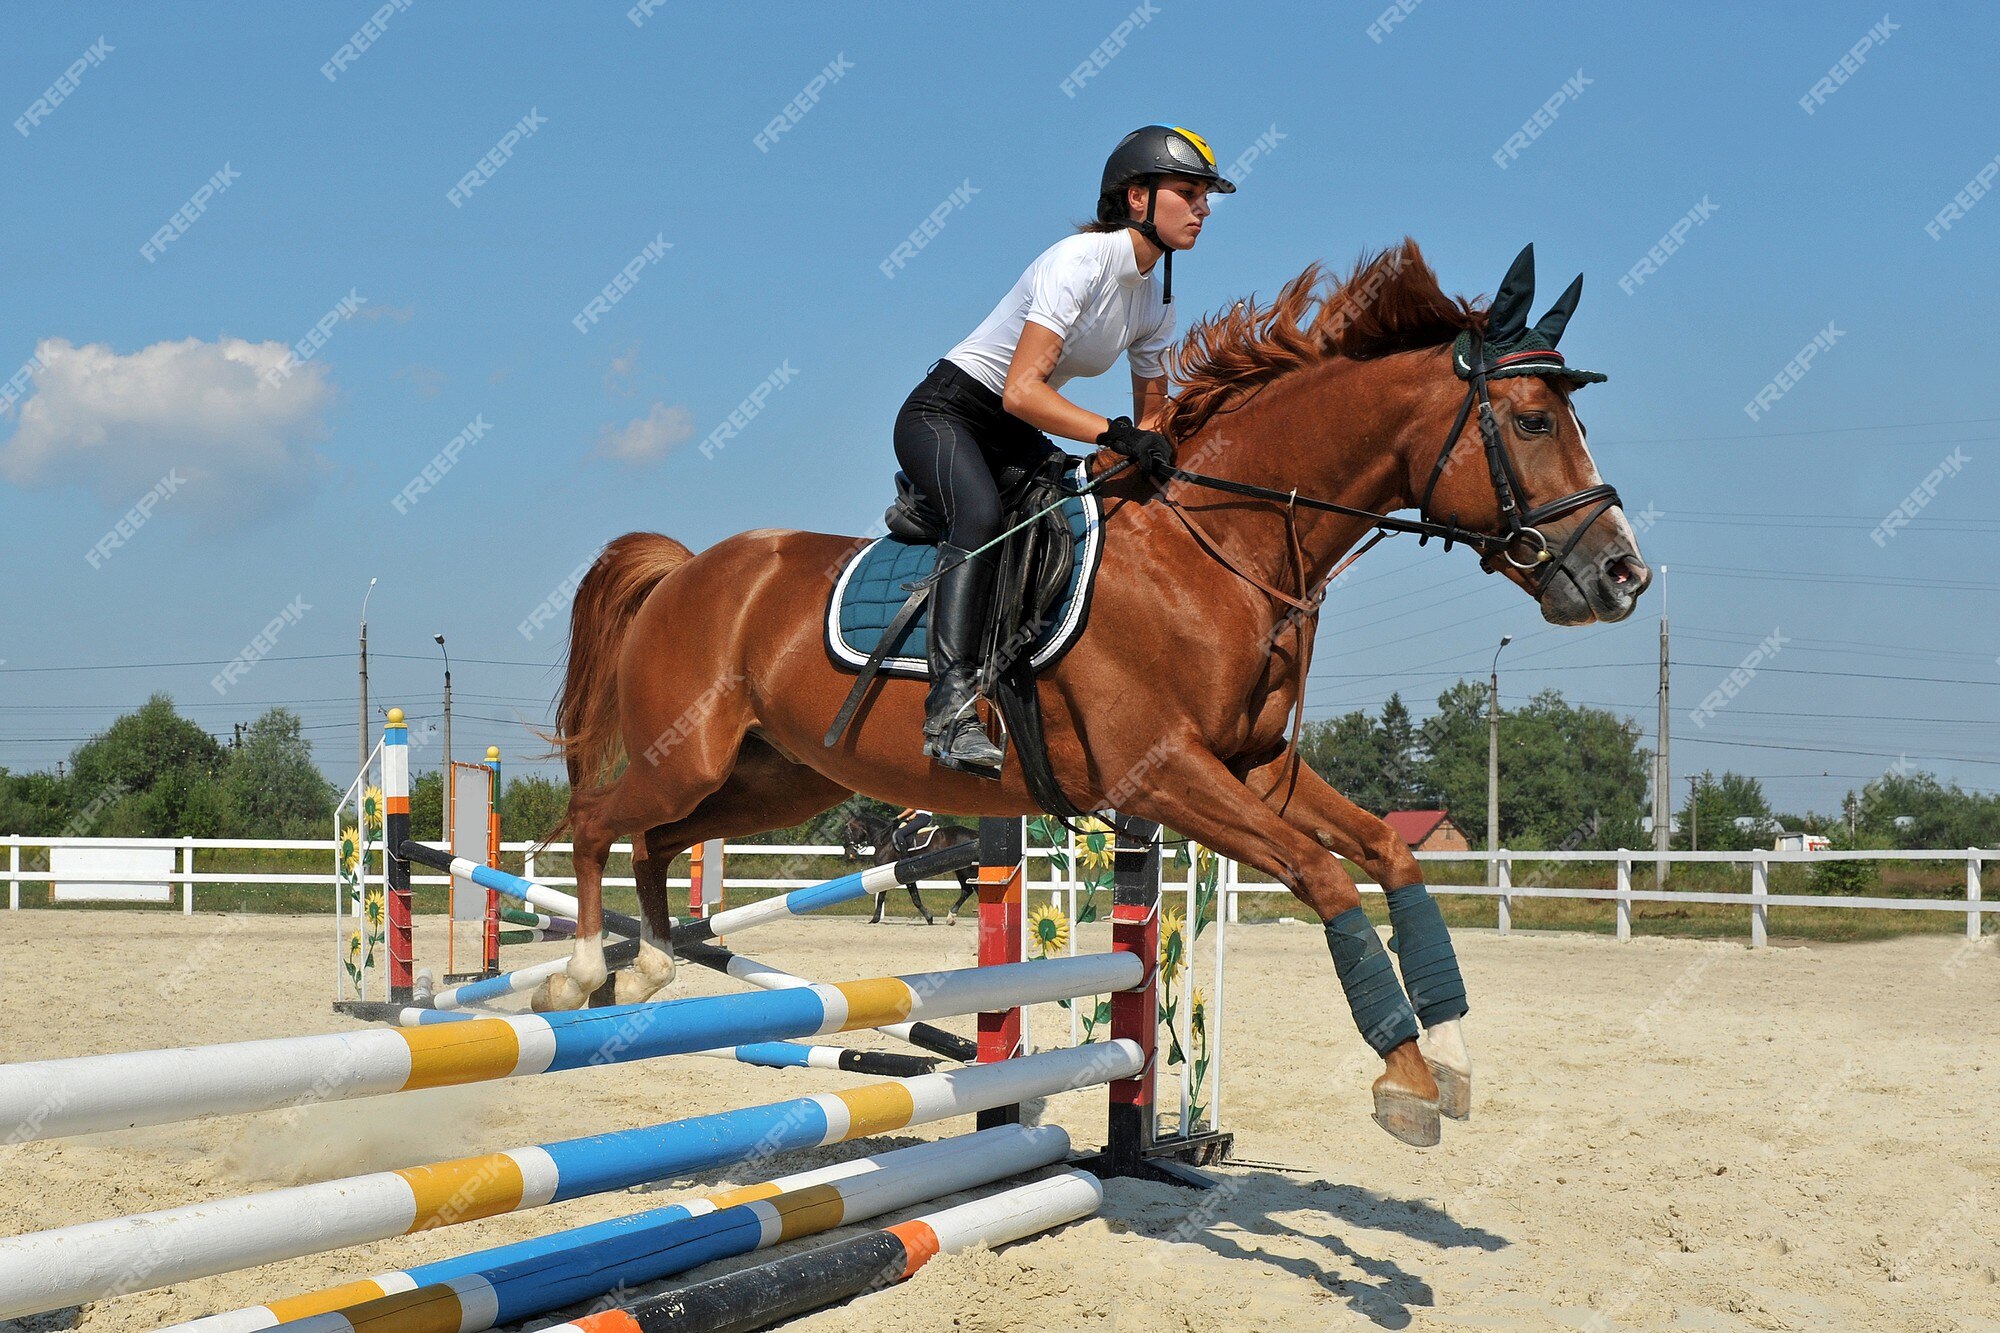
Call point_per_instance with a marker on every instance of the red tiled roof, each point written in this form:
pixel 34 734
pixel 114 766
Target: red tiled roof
pixel 1413 826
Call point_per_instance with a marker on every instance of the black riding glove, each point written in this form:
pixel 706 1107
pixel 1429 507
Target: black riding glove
pixel 1148 448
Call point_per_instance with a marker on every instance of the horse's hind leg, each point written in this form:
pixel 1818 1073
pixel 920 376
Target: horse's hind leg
pixel 967 887
pixel 653 970
pixel 917 899
pixel 764 791
pixel 598 817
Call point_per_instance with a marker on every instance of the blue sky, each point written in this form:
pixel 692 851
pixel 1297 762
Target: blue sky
pixel 275 495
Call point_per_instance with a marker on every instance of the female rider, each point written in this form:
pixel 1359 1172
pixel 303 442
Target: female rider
pixel 985 406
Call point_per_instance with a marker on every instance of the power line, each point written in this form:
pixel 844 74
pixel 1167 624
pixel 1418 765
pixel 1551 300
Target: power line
pixel 1828 749
pixel 1823 430
pixel 1809 576
pixel 1847 675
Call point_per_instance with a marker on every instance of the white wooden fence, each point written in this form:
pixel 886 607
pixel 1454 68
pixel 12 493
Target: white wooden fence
pixel 1511 884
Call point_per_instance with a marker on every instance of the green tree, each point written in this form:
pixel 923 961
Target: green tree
pixel 34 803
pixel 531 808
pixel 1396 740
pixel 1376 763
pixel 1728 813
pixel 1454 744
pixel 1342 750
pixel 427 807
pixel 159 771
pixel 1939 815
pixel 1570 777
pixel 271 787
pixel 1843 836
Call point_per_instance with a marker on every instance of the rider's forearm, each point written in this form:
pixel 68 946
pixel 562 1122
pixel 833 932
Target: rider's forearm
pixel 1149 400
pixel 1033 401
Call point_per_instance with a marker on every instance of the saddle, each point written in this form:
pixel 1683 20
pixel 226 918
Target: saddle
pixel 1038 587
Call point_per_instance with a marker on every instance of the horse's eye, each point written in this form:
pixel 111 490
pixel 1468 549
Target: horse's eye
pixel 1533 423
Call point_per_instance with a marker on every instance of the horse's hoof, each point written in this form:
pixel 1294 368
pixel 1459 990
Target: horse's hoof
pixel 1410 1118
pixel 1450 1065
pixel 558 994
pixel 951 920
pixel 630 986
pixel 1454 1090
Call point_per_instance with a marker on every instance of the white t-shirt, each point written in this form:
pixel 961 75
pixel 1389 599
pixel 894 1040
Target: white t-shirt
pixel 1088 289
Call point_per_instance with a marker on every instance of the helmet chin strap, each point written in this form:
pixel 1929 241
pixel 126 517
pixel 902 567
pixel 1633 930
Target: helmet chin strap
pixel 1150 232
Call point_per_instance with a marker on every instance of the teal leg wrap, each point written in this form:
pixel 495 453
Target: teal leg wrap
pixel 1423 947
pixel 1381 1010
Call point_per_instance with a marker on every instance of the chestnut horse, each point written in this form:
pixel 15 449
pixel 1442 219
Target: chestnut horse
pixel 698 688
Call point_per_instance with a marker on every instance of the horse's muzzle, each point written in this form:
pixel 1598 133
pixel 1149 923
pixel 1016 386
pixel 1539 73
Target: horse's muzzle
pixel 1603 585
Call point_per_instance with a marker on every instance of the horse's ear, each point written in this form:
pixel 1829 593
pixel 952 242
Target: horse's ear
pixel 1553 323
pixel 1507 317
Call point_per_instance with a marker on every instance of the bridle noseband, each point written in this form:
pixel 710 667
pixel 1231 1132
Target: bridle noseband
pixel 1518 525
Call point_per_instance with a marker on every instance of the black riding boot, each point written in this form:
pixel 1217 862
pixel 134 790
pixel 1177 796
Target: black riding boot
pixel 952 734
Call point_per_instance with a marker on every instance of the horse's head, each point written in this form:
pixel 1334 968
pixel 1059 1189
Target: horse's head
pixel 854 835
pixel 1515 469
pixel 1489 452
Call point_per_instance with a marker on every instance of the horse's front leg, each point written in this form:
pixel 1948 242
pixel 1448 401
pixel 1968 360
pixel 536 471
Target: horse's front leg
pixel 1196 794
pixel 1423 946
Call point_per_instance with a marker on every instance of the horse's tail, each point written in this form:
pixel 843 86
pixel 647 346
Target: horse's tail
pixel 618 582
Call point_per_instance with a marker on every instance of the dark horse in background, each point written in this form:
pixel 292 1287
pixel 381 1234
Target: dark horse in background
pixel 1328 409
pixel 884 842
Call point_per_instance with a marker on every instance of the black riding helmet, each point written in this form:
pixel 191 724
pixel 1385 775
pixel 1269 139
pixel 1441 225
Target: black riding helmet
pixel 1148 153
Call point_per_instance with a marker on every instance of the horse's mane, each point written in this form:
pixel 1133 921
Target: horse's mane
pixel 1390 302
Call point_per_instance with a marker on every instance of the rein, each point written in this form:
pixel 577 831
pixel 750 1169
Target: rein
pixel 1520 525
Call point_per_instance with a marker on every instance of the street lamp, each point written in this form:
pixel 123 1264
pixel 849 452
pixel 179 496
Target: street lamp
pixel 1493 766
pixel 444 828
pixel 364 673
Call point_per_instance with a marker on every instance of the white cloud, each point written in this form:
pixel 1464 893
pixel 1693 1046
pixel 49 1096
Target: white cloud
pixel 116 424
pixel 647 439
pixel 428 381
pixel 618 375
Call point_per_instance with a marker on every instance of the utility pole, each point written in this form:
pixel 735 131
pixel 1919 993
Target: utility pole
pixel 364 675
pixel 1493 766
pixel 1663 772
pixel 1694 812
pixel 444 828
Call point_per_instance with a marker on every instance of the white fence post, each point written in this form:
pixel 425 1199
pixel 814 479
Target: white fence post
pixel 1506 882
pixel 1973 893
pixel 187 884
pixel 1760 888
pixel 1225 878
pixel 1624 895
pixel 14 872
pixel 1187 982
pixel 1075 928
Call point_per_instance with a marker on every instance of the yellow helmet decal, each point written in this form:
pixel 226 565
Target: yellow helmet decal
pixel 1198 142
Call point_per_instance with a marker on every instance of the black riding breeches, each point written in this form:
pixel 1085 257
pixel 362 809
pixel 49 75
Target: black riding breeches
pixel 953 437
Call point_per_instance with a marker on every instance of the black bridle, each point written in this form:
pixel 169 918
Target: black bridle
pixel 1518 525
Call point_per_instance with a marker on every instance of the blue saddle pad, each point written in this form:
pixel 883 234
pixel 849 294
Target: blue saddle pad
pixel 871 591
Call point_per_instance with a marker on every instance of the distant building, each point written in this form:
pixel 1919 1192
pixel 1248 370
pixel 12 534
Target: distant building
pixel 1427 830
pixel 1801 842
